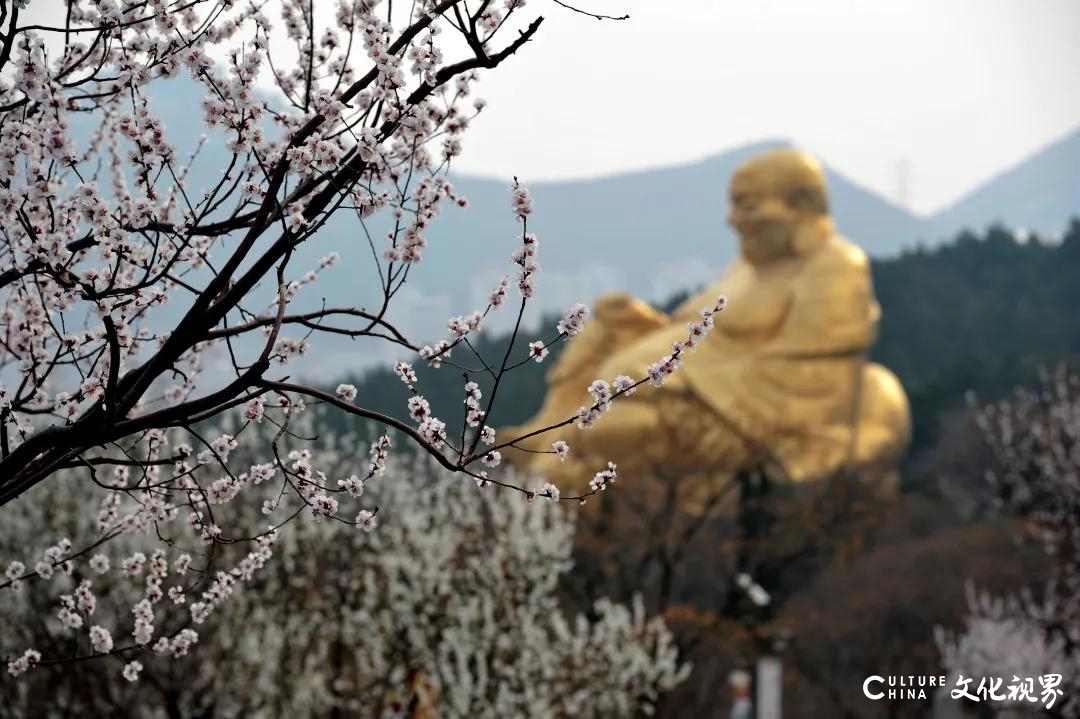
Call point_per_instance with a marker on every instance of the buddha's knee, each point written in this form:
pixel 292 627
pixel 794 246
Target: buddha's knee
pixel 629 427
pixel 884 417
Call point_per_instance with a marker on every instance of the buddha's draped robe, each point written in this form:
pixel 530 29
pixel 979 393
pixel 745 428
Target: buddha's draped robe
pixel 782 380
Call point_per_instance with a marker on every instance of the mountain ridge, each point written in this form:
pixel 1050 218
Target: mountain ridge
pixel 654 232
pixel 1037 194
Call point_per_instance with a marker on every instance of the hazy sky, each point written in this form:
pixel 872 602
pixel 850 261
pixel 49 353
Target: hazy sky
pixel 956 90
pixel 944 92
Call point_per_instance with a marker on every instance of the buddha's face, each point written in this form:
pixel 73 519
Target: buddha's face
pixel 765 222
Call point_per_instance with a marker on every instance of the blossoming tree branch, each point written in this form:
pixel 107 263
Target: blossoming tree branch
pixel 102 238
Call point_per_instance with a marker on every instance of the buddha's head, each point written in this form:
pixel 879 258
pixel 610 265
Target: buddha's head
pixel 776 197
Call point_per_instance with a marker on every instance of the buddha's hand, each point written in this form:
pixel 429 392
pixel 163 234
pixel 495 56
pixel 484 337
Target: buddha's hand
pixel 620 318
pixel 620 309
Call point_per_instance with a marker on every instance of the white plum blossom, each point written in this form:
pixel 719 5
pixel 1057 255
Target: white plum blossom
pixel 624 385
pixel 380 450
pixel 67 614
pixel 346 391
pixel 472 395
pixel 353 485
pixel 182 563
pixel 85 598
pixel 573 321
pixel 259 473
pixel 1034 437
pixel 601 392
pixel 15 570
pixel 561 448
pixel 430 520
pixel 603 478
pixel 44 569
pixel 419 409
pixel 498 295
pixel 405 371
pixel 322 505
pixel 433 432
pixel 522 201
pixel 461 326
pixel 253 410
pixel 182 643
pixel 153 293
pixel 548 491
pixel 24 663
pixel 365 520
pixel 100 639
pixel 132 669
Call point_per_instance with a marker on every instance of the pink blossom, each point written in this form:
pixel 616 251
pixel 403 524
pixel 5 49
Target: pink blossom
pixel 253 410
pixel 132 669
pixel 353 485
pixel 561 448
pixel 522 201
pixel 603 478
pixel 365 520
pixel 573 320
pixel 100 639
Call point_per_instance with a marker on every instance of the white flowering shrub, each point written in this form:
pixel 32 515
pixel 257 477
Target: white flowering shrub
pixel 122 275
pixel 1035 437
pixel 451 607
pixel 1006 637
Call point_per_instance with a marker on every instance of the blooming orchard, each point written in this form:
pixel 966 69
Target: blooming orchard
pixel 451 604
pixel 120 276
pixel 1035 438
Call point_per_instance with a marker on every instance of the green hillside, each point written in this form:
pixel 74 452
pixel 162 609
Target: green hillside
pixel 979 314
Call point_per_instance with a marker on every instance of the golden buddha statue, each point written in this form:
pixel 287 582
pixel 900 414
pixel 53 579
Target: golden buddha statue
pixel 781 384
